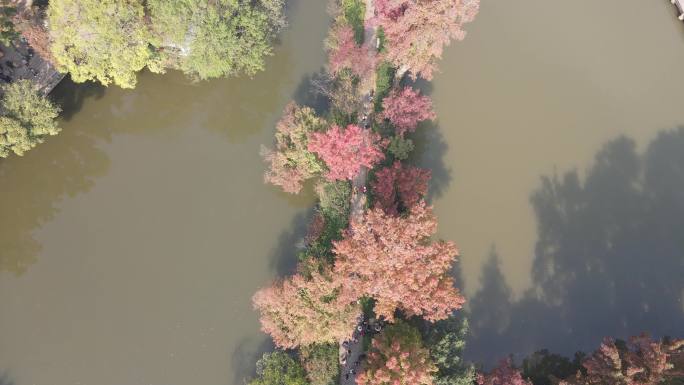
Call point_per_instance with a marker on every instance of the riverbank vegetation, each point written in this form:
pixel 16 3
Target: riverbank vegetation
pixel 27 118
pixel 370 257
pixel 111 40
pixel 377 283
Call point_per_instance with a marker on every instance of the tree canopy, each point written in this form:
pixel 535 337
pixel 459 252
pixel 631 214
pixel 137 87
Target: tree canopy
pixel 303 311
pixel 398 357
pixel 26 118
pixel 103 40
pixel 345 151
pixel 215 38
pixel 291 162
pixel 406 108
pixel 392 260
pixel 278 368
pixel 418 30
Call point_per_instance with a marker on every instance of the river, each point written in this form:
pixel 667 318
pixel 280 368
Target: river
pixel 132 242
pixel 541 88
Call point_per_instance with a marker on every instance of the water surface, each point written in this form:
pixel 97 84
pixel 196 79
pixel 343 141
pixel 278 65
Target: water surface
pixel 133 241
pixel 543 88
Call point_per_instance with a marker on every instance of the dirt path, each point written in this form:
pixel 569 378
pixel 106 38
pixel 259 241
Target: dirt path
pixel 350 351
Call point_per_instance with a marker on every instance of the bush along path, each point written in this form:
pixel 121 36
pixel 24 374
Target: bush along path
pixel 373 301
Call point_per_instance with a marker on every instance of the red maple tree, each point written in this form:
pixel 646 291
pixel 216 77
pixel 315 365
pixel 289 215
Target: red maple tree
pixel 345 151
pixel 405 108
pixel 398 184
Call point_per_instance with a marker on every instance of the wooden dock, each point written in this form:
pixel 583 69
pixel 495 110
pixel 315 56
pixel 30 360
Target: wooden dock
pixel 680 8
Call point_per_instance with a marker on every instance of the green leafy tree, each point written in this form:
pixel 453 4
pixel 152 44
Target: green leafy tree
pixel 215 38
pixel 446 340
pixel 278 368
pixel 321 363
pixel 103 40
pixel 26 118
pixel 400 147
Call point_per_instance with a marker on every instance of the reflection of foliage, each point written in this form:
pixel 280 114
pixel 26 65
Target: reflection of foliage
pixel 321 363
pixel 608 259
pixel 26 118
pixel 278 368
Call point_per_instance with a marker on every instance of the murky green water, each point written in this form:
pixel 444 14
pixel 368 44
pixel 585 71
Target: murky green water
pixel 139 234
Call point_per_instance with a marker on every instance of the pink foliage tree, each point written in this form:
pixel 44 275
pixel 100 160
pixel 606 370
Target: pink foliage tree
pixel 642 362
pixel 346 151
pixel 406 108
pixel 418 30
pixel 397 357
pixel 399 184
pixel 393 260
pixel 504 374
pixel 301 311
pixel 343 52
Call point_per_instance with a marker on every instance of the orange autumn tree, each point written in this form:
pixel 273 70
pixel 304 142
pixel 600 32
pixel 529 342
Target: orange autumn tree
pixel 300 311
pixel 398 357
pixel 393 260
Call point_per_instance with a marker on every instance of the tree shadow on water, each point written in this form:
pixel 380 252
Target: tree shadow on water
pixel 430 146
pixel 609 258
pixel 70 96
pixel 283 260
pixel 309 92
pixel 5 379
pixel 34 184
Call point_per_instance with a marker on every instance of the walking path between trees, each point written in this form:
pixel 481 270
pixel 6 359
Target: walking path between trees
pixel 350 354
